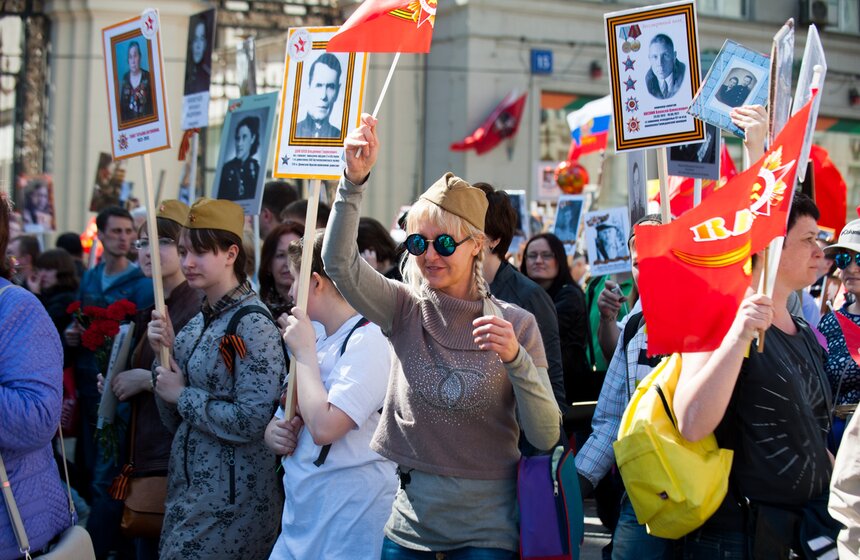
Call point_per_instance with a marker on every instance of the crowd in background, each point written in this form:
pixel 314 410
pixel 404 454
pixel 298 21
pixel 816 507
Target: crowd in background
pixel 426 366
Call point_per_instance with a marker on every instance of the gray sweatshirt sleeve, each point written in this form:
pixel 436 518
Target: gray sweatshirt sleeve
pixel 538 412
pixel 367 291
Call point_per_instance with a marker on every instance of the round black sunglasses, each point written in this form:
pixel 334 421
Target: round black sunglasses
pixel 445 245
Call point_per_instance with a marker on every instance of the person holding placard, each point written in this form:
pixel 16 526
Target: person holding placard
pixel 466 367
pixel 216 396
pixel 338 490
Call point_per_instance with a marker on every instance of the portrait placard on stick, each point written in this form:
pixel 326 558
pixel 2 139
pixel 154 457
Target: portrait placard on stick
pixel 137 105
pixel 814 65
pixel 739 76
pixel 606 234
pixel 568 216
pixel 244 154
pixel 637 189
pixel 653 55
pixel 321 102
pixel 198 70
pixel 35 198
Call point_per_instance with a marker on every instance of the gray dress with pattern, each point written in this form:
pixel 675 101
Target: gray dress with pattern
pixel 223 495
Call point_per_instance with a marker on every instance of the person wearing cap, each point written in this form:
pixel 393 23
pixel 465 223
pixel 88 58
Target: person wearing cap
pixel 216 397
pixel 150 441
pixel 465 367
pixel 842 371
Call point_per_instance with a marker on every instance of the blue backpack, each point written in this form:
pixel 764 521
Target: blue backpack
pixel 551 518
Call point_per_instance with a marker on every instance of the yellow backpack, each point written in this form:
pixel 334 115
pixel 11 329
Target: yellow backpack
pixel 674 485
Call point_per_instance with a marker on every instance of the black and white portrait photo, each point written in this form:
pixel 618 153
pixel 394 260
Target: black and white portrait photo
pixel 320 100
pixel 568 216
pixel 606 233
pixel 244 153
pixel 737 88
pixel 666 72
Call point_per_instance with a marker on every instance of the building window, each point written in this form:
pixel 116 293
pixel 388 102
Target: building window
pixel 736 9
pixel 842 15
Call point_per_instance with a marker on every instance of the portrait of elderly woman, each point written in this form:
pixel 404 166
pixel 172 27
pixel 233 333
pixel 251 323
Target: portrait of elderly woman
pixel 136 92
pixel 240 175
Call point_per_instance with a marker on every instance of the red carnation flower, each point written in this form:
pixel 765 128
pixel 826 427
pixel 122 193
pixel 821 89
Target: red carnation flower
pixel 92 339
pixel 94 312
pixel 73 307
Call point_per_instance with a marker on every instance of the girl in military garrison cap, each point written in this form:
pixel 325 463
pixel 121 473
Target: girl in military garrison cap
pixel 465 366
pixel 223 496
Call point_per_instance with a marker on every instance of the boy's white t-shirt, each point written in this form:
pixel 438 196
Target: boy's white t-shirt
pixel 339 509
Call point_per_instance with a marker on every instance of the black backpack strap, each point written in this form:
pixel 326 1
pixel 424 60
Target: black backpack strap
pixel 231 343
pixel 326 448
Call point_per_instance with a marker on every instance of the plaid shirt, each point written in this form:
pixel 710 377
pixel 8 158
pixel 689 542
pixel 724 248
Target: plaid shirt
pixel 625 371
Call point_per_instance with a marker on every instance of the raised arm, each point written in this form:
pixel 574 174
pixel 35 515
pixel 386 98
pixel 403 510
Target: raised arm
pixel 708 378
pixel 366 290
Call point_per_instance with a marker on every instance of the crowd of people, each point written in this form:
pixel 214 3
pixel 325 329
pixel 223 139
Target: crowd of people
pixel 424 369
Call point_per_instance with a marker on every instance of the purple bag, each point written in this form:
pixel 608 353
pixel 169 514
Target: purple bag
pixel 551 517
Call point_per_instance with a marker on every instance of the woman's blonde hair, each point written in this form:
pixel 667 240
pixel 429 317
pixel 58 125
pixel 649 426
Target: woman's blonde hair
pixel 426 211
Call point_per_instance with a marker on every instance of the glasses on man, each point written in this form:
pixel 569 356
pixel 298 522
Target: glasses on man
pixel 543 255
pixel 843 260
pixel 162 242
pixel 445 245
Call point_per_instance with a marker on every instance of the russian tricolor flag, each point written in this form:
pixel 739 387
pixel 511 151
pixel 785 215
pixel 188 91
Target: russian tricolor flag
pixel 589 127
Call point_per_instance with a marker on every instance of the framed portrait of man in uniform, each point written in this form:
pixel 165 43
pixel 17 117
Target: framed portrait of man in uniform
pixel 320 103
pixel 244 154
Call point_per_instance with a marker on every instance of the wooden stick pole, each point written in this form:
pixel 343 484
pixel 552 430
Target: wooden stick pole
pixel 697 192
pixel 192 173
pixel 256 223
pixel 152 232
pixel 304 283
pixel 663 172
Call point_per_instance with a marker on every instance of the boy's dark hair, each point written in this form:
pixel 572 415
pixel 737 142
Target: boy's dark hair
pixel 71 242
pixel 296 212
pixel 373 235
pixel 216 241
pixel 802 205
pixel 295 252
pixel 104 216
pixel 501 220
pixel 279 194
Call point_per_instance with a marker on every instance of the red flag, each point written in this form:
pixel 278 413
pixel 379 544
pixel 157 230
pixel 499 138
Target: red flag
pixel 387 26
pixel 681 188
pixel 851 334
pixel 830 190
pixel 694 271
pixel 502 123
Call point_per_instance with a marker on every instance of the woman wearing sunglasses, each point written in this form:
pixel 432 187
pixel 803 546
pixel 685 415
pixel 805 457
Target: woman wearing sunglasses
pixel 465 366
pixel 842 371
